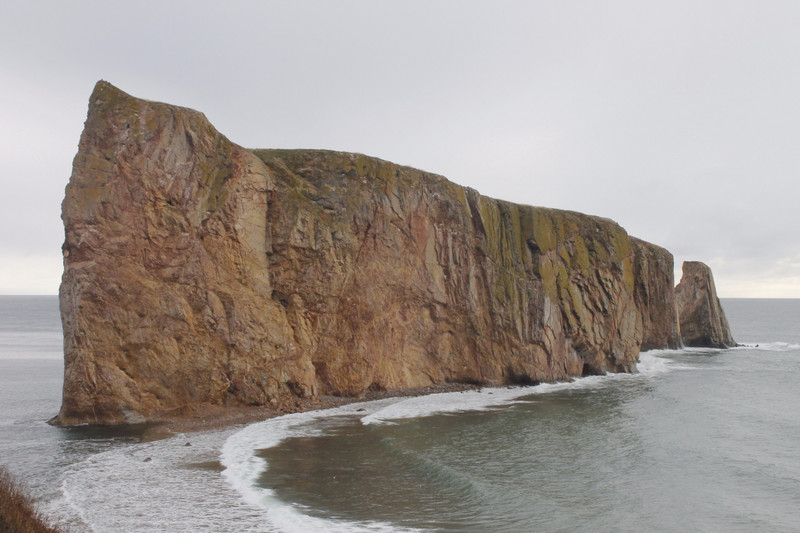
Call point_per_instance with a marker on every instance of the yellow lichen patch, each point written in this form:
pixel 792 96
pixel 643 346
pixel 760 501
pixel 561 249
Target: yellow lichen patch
pixel 384 171
pixel 581 256
pixel 577 301
pixel 621 244
pixel 562 277
pixel 547 273
pixel 544 230
pixel 563 253
pixel 214 173
pixel 628 277
pixel 461 194
pixel 490 219
pixel 516 230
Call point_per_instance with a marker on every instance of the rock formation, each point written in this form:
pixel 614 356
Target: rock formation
pixel 655 295
pixel 199 272
pixel 702 320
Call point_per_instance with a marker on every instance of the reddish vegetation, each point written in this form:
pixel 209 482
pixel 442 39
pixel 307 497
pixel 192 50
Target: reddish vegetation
pixel 17 513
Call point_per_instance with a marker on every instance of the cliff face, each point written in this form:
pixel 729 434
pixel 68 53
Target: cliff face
pixel 196 271
pixel 166 282
pixel 655 295
pixel 702 320
pixel 392 278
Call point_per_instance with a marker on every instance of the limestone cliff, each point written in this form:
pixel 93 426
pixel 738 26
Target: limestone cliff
pixel 198 272
pixel 702 320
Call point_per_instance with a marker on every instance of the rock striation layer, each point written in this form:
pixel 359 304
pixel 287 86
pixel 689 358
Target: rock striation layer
pixel 655 295
pixel 199 272
pixel 702 320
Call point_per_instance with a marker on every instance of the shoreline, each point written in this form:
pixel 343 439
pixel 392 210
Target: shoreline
pixel 196 418
pixel 209 417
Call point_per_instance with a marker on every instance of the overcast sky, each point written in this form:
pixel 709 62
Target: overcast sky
pixel 678 119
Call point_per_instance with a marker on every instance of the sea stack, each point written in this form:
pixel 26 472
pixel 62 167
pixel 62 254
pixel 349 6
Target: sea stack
pixel 702 320
pixel 198 272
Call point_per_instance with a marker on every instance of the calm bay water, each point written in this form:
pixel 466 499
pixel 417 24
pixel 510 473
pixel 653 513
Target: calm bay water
pixel 700 440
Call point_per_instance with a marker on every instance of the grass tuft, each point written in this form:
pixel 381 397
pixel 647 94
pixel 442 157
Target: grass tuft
pixel 17 511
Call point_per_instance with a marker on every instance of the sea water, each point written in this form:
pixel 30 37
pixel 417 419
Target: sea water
pixel 698 440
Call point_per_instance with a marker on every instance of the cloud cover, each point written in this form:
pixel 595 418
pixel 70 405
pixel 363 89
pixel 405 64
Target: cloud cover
pixel 680 120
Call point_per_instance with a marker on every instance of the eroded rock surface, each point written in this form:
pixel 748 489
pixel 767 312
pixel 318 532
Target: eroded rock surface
pixel 655 295
pixel 702 319
pixel 198 272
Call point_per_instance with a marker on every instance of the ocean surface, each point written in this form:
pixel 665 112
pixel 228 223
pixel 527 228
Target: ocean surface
pixel 698 440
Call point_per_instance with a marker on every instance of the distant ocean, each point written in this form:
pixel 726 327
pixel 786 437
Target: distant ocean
pixel 698 440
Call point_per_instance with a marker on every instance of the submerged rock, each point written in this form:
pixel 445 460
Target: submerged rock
pixel 199 272
pixel 703 322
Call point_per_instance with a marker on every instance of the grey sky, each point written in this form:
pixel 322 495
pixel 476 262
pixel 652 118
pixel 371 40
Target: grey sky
pixel 679 120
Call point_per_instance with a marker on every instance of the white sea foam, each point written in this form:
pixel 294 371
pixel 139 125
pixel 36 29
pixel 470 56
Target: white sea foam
pixel 156 486
pixel 243 467
pixel 451 402
pixel 775 346
pixel 488 398
pixel 769 346
pixel 98 485
pixel 653 362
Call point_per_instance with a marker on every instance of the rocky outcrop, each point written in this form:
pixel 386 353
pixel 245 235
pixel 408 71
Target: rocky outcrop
pixel 198 272
pixel 655 295
pixel 702 320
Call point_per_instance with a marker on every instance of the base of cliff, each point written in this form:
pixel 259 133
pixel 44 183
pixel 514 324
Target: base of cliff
pixel 203 417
